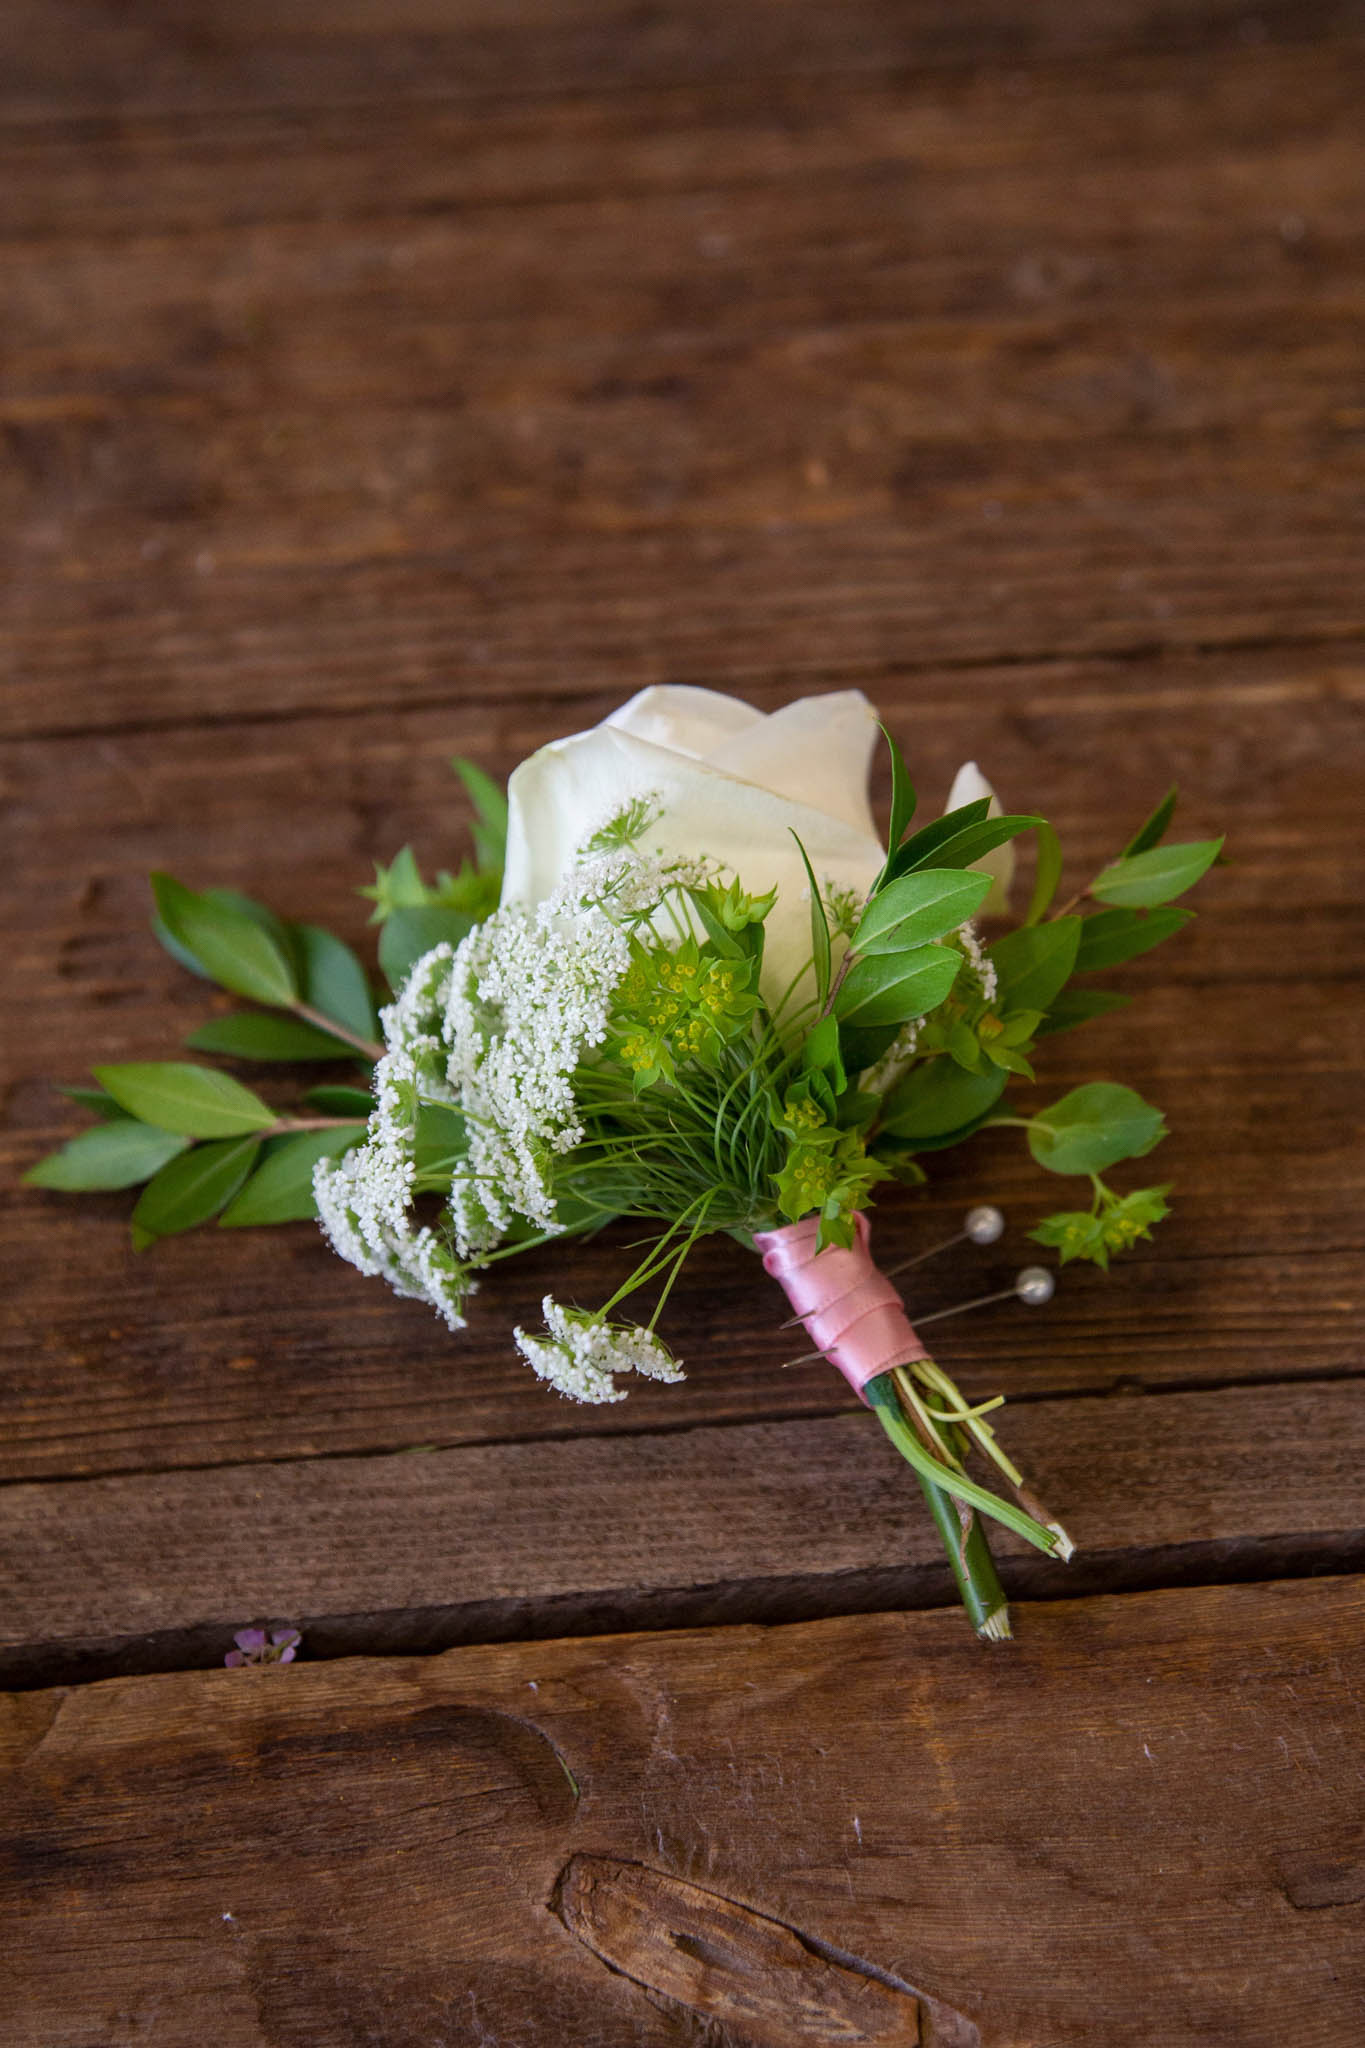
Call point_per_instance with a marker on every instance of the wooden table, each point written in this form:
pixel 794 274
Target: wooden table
pixel 385 380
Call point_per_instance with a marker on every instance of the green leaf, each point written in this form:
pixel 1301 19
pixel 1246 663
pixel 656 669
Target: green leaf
pixel 441 1139
pixel 232 945
pixel 98 1101
pixel 921 850
pixel 895 988
pixel 918 908
pixel 340 1101
pixel 721 937
pixel 1093 1127
pixel 820 1053
pixel 903 797
pixel 192 1188
pixel 937 1096
pixel 281 1189
pixel 490 813
pixel 819 930
pixel 1035 962
pixel 1110 937
pixel 251 1035
pixel 179 1097
pixel 1157 875
pixel 1079 1006
pixel 113 1155
pixel 334 982
pixel 976 840
pixel 1047 874
pixel 1155 828
pixel 408 934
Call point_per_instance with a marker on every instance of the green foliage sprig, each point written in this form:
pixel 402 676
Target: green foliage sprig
pixel 198 1142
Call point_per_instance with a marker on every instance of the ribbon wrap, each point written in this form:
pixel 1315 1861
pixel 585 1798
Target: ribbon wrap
pixel 850 1310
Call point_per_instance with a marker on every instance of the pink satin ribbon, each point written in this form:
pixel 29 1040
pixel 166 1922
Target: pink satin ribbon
pixel 851 1311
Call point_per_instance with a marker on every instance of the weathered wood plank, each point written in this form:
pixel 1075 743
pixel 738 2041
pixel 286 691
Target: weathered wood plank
pixel 766 1522
pixel 1229 110
pixel 1140 1822
pixel 67 58
pixel 297 461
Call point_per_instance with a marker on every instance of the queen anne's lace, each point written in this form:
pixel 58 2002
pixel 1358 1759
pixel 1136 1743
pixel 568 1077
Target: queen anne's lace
pixel 579 1352
pixel 364 1200
pixel 495 1027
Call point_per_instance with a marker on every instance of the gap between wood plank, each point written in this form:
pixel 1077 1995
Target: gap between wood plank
pixel 430 1632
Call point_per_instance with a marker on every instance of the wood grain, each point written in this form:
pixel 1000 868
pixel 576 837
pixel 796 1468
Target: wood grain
pixel 749 387
pixel 765 1521
pixel 1140 1822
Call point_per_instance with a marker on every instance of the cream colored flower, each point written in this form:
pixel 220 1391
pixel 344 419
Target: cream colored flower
pixel 731 784
pixel 969 786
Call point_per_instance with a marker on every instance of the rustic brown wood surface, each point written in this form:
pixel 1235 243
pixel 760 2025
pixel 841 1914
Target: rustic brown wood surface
pixel 383 381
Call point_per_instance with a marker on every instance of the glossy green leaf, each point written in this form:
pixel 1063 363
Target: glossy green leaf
pixel 937 1096
pixel 819 930
pixel 1110 937
pixel 281 1188
pixel 112 1155
pixel 1157 875
pixel 490 813
pixel 408 934
pixel 1047 874
pixel 917 908
pixel 1080 1006
pixel 193 1187
pixel 1035 963
pixel 895 988
pixel 252 1035
pixel 333 1100
pixel 820 1053
pixel 903 796
pixel 231 944
pixel 197 1101
pixel 921 850
pixel 98 1101
pixel 1154 830
pixel 1093 1127
pixel 334 982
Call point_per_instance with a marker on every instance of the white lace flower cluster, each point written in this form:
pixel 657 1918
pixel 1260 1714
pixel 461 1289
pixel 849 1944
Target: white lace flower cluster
pixel 495 1027
pixel 579 1352
pixel 979 960
pixel 530 995
pixel 364 1200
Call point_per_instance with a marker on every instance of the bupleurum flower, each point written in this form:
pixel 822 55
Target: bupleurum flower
pixel 578 1353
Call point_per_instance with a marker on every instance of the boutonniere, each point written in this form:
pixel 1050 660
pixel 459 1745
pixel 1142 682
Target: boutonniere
pixel 684 982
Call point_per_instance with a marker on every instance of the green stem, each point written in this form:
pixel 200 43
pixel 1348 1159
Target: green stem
pixel 970 1558
pixel 973 1567
pixel 330 1025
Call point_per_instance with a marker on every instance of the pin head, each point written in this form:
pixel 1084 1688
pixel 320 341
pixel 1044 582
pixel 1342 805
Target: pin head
pixel 1034 1285
pixel 984 1225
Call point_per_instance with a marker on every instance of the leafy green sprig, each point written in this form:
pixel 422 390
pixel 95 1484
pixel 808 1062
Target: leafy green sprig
pixel 198 1142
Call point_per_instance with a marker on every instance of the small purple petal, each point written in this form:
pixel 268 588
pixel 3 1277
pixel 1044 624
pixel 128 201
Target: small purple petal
pixel 250 1639
pixel 233 1659
pixel 287 1656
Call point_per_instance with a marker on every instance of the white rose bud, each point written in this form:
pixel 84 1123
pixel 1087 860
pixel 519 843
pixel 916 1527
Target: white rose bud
pixel 732 784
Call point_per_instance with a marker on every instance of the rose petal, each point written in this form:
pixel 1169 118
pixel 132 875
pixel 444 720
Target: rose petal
pixel 816 752
pixel 969 786
pixel 688 720
pixel 561 793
